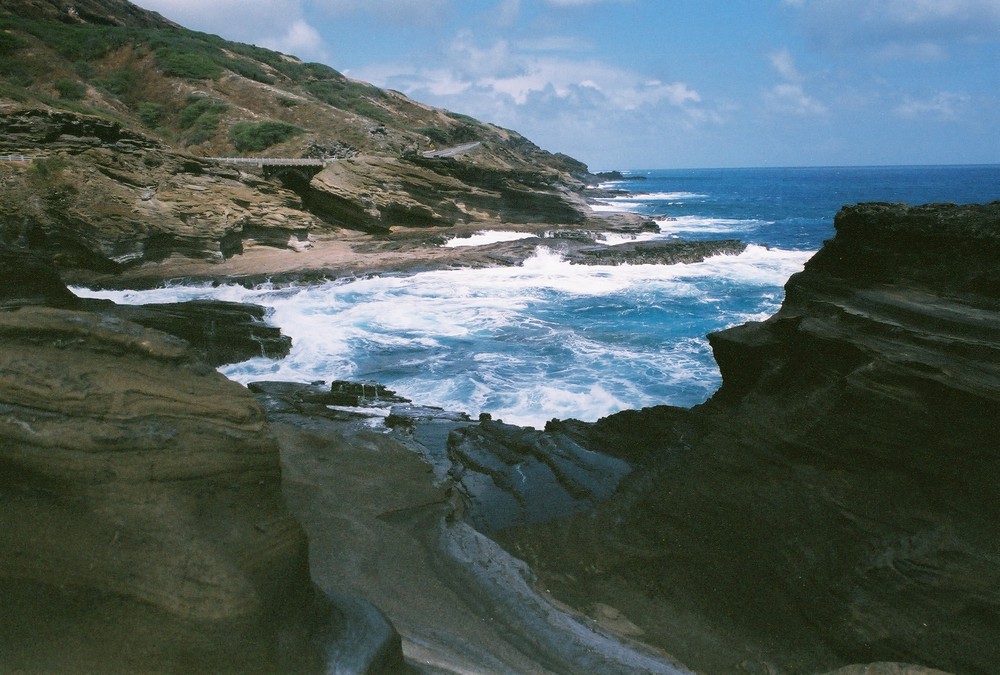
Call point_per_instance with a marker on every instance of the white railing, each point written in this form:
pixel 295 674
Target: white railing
pixel 271 161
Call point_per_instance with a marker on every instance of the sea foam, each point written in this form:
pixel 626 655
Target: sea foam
pixel 486 237
pixel 546 339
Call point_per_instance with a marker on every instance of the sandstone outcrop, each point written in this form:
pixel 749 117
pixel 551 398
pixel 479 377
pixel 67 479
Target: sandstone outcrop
pixel 142 525
pixel 375 193
pixel 105 198
pixel 835 501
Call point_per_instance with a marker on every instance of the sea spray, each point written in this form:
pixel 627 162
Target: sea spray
pixel 546 339
pixel 549 339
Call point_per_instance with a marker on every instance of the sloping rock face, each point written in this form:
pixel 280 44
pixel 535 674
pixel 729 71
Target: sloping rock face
pixel 103 197
pixel 142 526
pixel 375 193
pixel 836 502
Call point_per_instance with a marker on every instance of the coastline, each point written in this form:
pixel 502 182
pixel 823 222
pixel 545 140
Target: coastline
pixel 345 253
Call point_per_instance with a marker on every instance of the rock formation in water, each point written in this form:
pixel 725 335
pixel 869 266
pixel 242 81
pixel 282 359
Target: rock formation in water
pixel 836 501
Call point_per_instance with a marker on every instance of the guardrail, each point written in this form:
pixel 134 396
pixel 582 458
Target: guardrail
pixel 18 158
pixel 271 161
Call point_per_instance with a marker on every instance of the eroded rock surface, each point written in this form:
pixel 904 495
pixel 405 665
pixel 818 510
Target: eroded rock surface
pixel 835 502
pixel 104 197
pixel 142 524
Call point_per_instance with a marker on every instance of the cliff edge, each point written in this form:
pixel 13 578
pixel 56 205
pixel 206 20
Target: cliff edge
pixel 835 502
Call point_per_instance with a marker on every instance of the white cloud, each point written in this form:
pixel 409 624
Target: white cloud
pixel 944 105
pixel 516 74
pixel 277 24
pixel 233 19
pixel 508 11
pixel 783 62
pixel 790 96
pixel 300 39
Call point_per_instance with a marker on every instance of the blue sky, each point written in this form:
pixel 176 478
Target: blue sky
pixel 633 84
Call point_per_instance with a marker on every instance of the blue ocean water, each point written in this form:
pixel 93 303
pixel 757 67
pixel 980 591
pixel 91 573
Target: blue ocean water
pixel 549 339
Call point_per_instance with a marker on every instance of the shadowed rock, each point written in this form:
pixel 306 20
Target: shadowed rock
pixel 224 332
pixel 835 502
pixel 509 475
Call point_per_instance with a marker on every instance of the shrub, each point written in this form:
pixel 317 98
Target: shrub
pixel 118 82
pixel 353 96
pixel 68 89
pixel 190 65
pixel 150 114
pixel 257 136
pixel 201 118
pixel 198 107
pixel 249 69
pixel 46 168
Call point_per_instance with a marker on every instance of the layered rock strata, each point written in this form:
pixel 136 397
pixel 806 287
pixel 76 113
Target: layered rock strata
pixel 835 501
pixel 104 197
pixel 142 526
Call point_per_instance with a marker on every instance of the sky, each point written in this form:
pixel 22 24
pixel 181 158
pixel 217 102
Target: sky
pixel 642 84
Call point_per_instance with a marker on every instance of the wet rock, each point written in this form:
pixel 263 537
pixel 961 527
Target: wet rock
pixel 27 279
pixel 655 252
pixel 509 475
pixel 342 399
pixel 223 332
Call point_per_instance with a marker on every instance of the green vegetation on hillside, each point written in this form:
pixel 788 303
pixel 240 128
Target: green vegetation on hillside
pixel 257 136
pixel 195 89
pixel 200 119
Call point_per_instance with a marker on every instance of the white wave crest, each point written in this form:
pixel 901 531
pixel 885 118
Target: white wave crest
pixel 511 341
pixel 486 237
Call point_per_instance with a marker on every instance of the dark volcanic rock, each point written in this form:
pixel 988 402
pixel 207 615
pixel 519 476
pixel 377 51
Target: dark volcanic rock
pixel 224 332
pixel 27 279
pixel 509 475
pixel 655 252
pixel 836 501
pixel 324 401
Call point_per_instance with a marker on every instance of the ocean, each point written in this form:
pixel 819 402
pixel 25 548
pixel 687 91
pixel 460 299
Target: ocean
pixel 549 339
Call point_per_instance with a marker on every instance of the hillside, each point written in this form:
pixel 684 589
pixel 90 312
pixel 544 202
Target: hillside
pixel 120 107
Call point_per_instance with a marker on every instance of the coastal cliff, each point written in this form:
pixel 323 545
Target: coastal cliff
pixel 113 121
pixel 835 501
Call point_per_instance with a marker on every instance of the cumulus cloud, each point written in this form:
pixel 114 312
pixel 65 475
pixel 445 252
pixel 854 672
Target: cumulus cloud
pixel 519 74
pixel 277 24
pixel 299 39
pixel 544 88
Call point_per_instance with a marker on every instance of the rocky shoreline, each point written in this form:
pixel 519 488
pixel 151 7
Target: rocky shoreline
pixel 827 506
